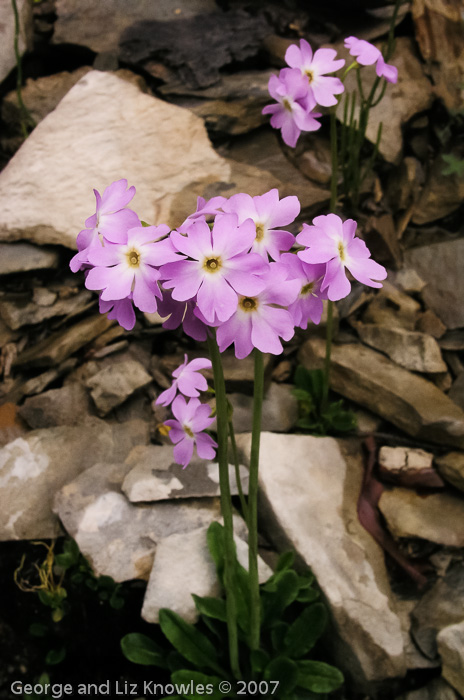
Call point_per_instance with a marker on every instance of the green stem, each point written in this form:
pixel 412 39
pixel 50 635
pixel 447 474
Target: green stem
pixel 255 604
pixel 334 152
pixel 237 471
pixel 328 353
pixel 24 112
pixel 226 503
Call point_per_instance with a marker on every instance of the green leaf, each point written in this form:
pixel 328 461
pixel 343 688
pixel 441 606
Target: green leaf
pixel 142 650
pixel 455 166
pixel 215 540
pixel 55 656
pixel 308 595
pixel 117 601
pixel 259 659
pixel 285 561
pixel 319 677
pixel 211 607
pixel 283 670
pixel 190 642
pixel 191 680
pixel 274 603
pixel 278 632
pixel 38 630
pixel 306 630
pixel 306 581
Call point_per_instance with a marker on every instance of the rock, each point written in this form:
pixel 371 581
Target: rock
pixel 414 658
pixel 118 538
pixel 451 649
pixel 451 467
pixel 452 340
pixel 438 27
pixel 36 385
pixel 109 128
pixel 43 297
pixel 280 410
pixel 23 257
pixel 163 479
pixel 315 515
pixel 315 162
pixel 100 27
pixel 69 405
pixel 415 351
pixel 441 606
pixel 442 194
pixel 411 94
pixel 438 689
pixel 408 401
pixel 439 264
pixel 381 237
pixel 392 308
pixel 11 425
pixel 22 312
pixel 33 468
pixel 430 323
pixel 183 565
pixel 409 281
pixel 404 186
pixel 59 346
pixel 457 391
pixel 7 33
pixel 114 384
pixel 437 517
pixel 408 467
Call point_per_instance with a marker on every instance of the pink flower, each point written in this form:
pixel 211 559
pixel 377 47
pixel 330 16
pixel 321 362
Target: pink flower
pixel 181 313
pixel 219 268
pixel 308 305
pixel 186 432
pixel 110 222
pixel 292 113
pixel 131 267
pixel 260 321
pixel 267 212
pixel 204 208
pixel 121 311
pixel 314 68
pixel 332 241
pixel 367 54
pixel 187 380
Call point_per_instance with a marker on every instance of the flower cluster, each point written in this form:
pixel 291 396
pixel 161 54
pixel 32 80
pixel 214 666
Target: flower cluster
pixel 227 267
pixel 306 83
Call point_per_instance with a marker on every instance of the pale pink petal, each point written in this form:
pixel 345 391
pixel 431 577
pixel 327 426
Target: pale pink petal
pixel 166 397
pixel 205 446
pixel 183 451
pixel 335 281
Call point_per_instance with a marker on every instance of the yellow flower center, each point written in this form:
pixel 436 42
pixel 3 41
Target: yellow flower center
pixel 133 258
pixel 341 251
pixel 287 105
pixel 189 431
pixel 259 232
pixel 212 264
pixel 248 303
pixel 307 289
pixel 310 75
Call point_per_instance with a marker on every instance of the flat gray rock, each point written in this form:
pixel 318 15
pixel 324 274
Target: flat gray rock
pixel 451 467
pixel 112 385
pixel 33 468
pixel 410 402
pixel 451 649
pixel 69 405
pixel 23 257
pixel 19 313
pixel 309 492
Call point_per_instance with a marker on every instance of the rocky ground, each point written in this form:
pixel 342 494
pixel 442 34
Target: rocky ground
pixel 135 90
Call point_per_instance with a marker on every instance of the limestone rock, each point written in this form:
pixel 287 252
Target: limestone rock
pixel 33 468
pixel 408 401
pixel 451 649
pixel 439 264
pixel 22 257
pixel 411 94
pixel 7 32
pixel 415 351
pixel 430 323
pixel 392 308
pixel 183 565
pixel 441 606
pixel 442 194
pixel 69 405
pixel 112 385
pixel 451 467
pixel 438 689
pixel 409 281
pixel 19 313
pixel 163 479
pixel 118 538
pixel 280 410
pixel 314 513
pixel 437 517
pixel 408 467
pixel 109 128
pixel 456 391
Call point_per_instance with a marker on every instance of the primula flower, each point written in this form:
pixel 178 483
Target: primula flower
pixel 219 269
pixel 258 322
pixel 204 208
pixel 187 380
pixel 131 267
pixel 292 112
pixel 110 222
pixel 121 311
pixel 367 54
pixel 308 305
pixel 192 419
pixel 314 68
pixel 181 313
pixel 267 212
pixel 333 242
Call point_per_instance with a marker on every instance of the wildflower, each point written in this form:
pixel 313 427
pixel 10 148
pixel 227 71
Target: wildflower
pixel 333 242
pixel 267 212
pixel 181 312
pixel 367 54
pixel 315 68
pixel 204 208
pixel 219 268
pixel 187 380
pixel 260 321
pixel 308 305
pixel 121 311
pixel 191 419
pixel 131 267
pixel 292 113
pixel 110 222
